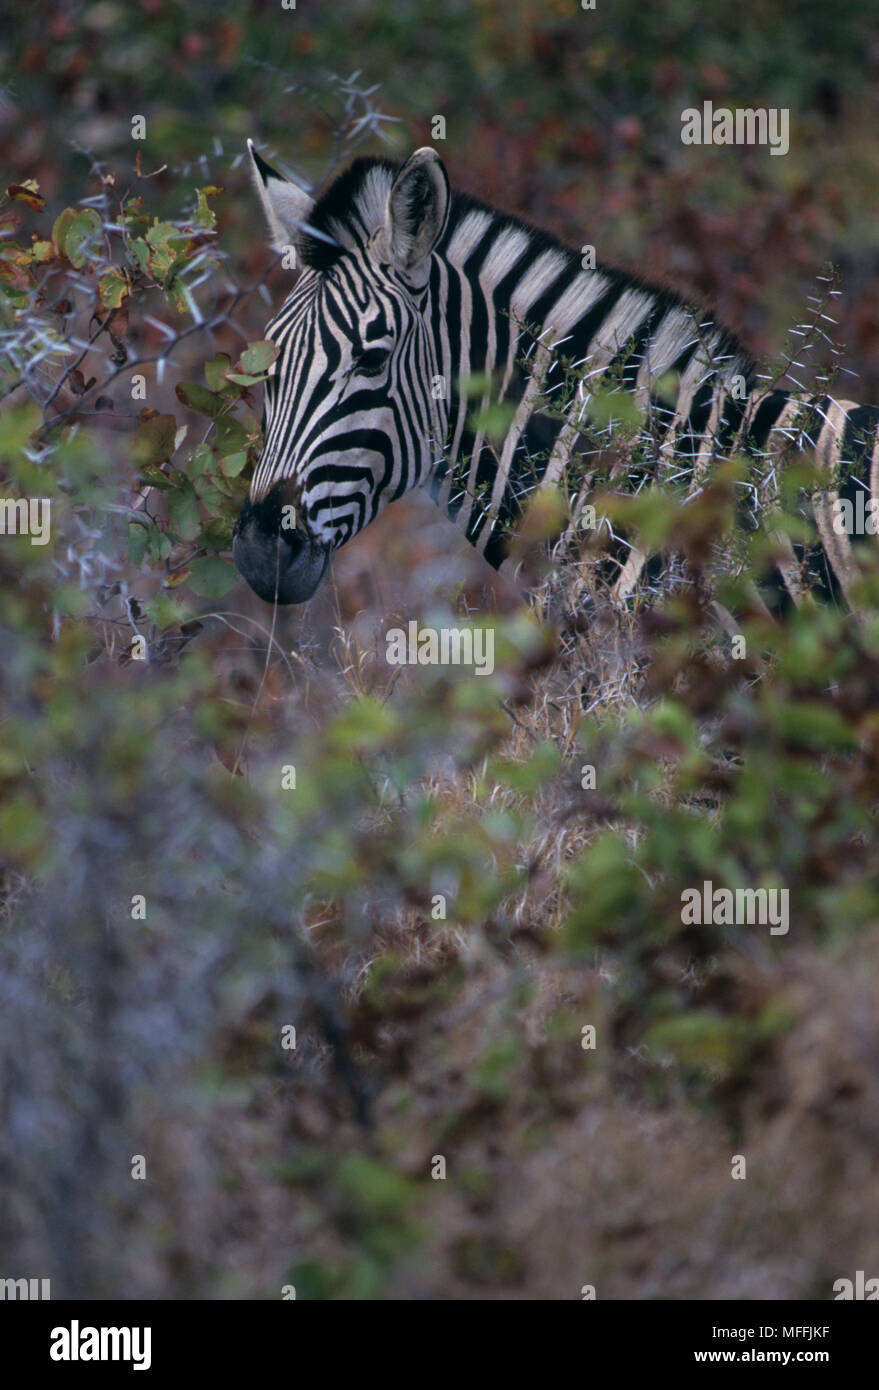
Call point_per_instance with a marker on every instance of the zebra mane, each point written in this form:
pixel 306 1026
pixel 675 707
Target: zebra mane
pixel 349 210
pixel 353 206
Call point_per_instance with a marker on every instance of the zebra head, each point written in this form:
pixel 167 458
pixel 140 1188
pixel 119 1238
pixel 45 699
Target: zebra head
pixel 350 422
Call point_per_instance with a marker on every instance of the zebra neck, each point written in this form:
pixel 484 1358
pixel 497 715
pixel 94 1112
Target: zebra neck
pixel 533 345
pixel 517 318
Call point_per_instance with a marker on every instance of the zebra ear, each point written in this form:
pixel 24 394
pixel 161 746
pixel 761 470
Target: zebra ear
pixel 418 205
pixel 286 206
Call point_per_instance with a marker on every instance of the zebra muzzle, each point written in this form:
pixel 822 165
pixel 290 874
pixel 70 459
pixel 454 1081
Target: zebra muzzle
pixel 281 565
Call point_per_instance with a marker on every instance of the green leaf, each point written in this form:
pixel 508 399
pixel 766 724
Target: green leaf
pixel 376 1189
pixel 215 372
pixel 215 535
pixel 17 424
pixel 151 473
pixel 23 829
pixel 232 464
pixel 204 214
pixel 234 491
pixel 209 493
pixel 159 545
pixel 165 255
pixel 212 577
pixel 541 767
pixel 230 436
pixel 197 398
pixel 364 723
pixel 141 254
pixel 810 724
pixel 154 441
pixel 166 612
pixel 137 542
pixel 494 420
pixel 201 461
pixel 618 408
pixel 183 514
pixel 258 357
pixel 76 232
pixel 113 288
pixel 161 234
pixel 699 1039
pixel 605 890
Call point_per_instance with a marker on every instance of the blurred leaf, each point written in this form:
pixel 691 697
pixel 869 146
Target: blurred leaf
pixel 212 577
pixel 27 193
pixel 528 776
pixel 141 254
pixel 216 535
pixel 76 233
pixel 137 542
pixel 166 612
pixel 23 829
pixel 17 424
pixel 113 288
pixel 183 515
pixel 153 442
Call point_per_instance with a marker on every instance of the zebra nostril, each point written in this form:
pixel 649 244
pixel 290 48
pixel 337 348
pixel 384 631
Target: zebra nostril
pixel 280 564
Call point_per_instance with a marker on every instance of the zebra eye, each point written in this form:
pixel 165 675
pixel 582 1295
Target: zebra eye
pixel 372 360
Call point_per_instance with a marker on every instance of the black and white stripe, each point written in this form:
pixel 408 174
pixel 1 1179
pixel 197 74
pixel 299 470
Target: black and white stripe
pixel 408 293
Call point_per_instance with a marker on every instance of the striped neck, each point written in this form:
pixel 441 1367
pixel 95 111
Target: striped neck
pixel 518 317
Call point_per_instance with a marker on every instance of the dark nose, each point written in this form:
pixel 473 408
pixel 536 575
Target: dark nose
pixel 281 565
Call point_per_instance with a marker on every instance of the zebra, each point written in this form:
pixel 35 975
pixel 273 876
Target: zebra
pixel 408 293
